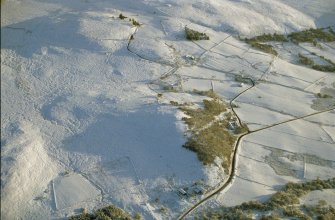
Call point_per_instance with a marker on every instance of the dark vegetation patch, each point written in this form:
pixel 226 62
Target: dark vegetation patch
pixel 122 17
pixel 305 60
pixel 323 96
pixel 195 35
pixel 169 88
pixel 106 213
pixel 259 42
pixel 269 37
pixel 132 20
pixel 313 35
pixel 324 68
pixel 282 204
pixel 263 47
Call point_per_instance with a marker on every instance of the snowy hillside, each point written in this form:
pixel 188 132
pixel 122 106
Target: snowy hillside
pixel 89 103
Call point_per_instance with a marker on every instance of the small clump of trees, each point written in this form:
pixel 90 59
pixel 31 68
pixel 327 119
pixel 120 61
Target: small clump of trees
pixel 110 212
pixel 122 17
pixel 132 20
pixel 195 35
pixel 262 46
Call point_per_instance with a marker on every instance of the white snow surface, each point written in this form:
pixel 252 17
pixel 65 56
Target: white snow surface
pixel 85 121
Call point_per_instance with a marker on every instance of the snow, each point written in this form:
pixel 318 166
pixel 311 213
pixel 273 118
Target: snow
pixel 26 170
pixel 313 198
pixel 71 190
pixel 77 96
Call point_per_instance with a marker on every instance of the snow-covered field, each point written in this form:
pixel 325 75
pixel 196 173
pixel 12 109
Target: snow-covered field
pixel 86 121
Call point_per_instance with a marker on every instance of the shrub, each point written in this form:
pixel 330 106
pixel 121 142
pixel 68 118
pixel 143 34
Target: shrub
pixel 122 17
pixel 253 205
pixel 138 216
pixel 305 60
pixel 170 89
pixel 281 199
pixel 106 213
pixel 292 211
pixel 134 22
pixel 163 210
pixel 174 103
pixel 263 47
pixel 241 129
pixel 323 96
pixel 195 35
pixel 208 93
pixel 83 216
pixel 273 216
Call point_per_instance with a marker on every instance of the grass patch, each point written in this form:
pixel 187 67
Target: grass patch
pixel 195 35
pixel 208 93
pixel 263 47
pixel 313 35
pixel 282 204
pixel 214 141
pixel 201 117
pixel 210 138
pixel 305 60
pixel 106 213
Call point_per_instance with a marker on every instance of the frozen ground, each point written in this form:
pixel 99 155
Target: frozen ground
pixel 86 121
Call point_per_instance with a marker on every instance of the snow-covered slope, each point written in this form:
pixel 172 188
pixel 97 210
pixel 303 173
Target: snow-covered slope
pixel 85 121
